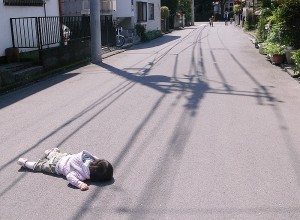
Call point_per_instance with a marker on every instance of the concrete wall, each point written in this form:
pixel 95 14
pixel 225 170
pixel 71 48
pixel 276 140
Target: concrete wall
pixel 7 12
pixel 57 57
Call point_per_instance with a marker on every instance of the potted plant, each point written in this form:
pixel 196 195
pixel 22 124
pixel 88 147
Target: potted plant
pixel 276 52
pixel 296 58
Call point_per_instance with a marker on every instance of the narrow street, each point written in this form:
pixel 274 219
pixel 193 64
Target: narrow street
pixel 197 124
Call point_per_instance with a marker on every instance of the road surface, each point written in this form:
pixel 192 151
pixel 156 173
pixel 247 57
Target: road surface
pixel 197 124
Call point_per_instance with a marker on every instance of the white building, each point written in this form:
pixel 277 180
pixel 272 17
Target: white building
pixel 145 12
pixel 228 7
pixel 22 8
pixel 126 12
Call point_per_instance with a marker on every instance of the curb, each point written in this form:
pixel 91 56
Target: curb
pixel 290 70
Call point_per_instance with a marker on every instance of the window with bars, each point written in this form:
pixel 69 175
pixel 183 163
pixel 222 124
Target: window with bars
pixel 141 11
pixel 23 2
pixel 151 11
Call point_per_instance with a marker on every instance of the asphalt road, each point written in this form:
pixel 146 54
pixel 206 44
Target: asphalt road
pixel 197 124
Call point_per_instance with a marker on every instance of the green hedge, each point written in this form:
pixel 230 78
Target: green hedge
pixel 146 36
pixel 150 35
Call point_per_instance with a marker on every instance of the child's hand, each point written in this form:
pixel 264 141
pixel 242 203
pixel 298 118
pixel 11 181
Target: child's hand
pixel 84 187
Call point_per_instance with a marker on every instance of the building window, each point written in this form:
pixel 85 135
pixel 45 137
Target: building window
pixel 151 11
pixel 23 2
pixel 230 6
pixel 141 11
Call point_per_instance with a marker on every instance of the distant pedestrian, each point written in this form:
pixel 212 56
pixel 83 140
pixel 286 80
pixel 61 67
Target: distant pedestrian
pixel 211 21
pixel 75 167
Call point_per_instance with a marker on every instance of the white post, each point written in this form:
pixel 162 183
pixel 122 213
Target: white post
pixel 95 25
pixel 193 13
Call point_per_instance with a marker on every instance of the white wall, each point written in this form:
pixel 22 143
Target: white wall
pixel 124 8
pixel 151 24
pixel 7 12
pixel 156 23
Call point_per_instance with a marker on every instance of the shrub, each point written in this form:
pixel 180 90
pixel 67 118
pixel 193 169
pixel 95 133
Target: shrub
pixel 236 8
pixel 146 36
pixel 150 35
pixel 165 12
pixel 291 18
pixel 140 31
pixel 296 57
pixel 284 23
pixel 274 48
pixel 263 48
pixel 250 22
pixel 262 31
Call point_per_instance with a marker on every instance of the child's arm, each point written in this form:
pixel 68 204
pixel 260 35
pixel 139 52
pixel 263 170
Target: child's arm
pixel 73 178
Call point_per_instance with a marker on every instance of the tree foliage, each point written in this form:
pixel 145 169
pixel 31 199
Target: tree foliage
pixel 203 10
pixel 171 4
pixel 165 13
pixel 283 20
pixel 185 7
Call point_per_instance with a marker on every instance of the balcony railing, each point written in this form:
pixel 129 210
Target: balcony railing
pixel 23 2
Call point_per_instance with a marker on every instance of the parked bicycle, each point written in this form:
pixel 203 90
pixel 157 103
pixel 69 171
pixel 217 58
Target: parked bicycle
pixel 120 39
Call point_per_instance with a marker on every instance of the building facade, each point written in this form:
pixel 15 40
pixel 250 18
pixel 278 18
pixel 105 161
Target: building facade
pixel 25 8
pixel 126 13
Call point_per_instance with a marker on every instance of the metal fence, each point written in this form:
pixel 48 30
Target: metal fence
pixel 42 32
pixel 108 31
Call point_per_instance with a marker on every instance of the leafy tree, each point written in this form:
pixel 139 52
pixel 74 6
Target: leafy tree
pixel 165 13
pixel 283 21
pixel 203 10
pixel 171 4
pixel 185 7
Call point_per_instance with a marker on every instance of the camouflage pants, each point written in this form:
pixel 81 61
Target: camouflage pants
pixel 47 164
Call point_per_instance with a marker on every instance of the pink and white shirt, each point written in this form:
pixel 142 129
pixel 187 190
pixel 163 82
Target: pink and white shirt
pixel 75 167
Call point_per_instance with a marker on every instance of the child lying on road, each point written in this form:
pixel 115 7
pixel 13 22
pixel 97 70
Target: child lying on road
pixel 76 167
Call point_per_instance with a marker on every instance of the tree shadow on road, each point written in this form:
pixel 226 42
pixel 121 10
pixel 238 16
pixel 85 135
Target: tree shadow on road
pixel 156 42
pixel 190 88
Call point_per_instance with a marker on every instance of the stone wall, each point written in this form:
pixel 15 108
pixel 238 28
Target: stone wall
pixel 57 57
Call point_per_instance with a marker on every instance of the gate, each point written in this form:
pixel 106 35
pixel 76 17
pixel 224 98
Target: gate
pixel 42 32
pixel 108 31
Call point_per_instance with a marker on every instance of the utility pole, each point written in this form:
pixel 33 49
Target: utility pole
pixel 95 25
pixel 193 13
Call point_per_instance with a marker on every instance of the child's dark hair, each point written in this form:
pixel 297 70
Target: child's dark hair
pixel 101 170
